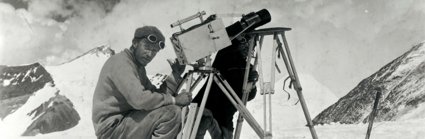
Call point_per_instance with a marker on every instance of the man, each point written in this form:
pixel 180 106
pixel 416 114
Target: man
pixel 218 115
pixel 126 104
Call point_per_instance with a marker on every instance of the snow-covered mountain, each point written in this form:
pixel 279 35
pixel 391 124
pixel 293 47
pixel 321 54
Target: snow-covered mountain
pixel 74 83
pixel 63 103
pixel 18 83
pixel 403 94
pixel 62 107
pixel 77 80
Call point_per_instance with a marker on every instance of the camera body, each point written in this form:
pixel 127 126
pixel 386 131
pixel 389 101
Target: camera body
pixel 200 40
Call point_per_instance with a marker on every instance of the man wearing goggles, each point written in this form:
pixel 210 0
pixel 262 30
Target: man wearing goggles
pixel 145 46
pixel 126 104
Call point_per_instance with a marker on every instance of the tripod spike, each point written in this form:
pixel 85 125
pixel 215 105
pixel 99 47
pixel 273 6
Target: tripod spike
pixel 298 87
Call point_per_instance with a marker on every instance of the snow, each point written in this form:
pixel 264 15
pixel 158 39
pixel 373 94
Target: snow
pixel 417 113
pixel 411 129
pixel 27 75
pixel 7 82
pixel 76 80
pixel 288 114
pixel 12 80
pixel 34 79
pixel 414 58
pixel 157 79
pixel 16 123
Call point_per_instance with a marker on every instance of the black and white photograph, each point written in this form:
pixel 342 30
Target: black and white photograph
pixel 212 69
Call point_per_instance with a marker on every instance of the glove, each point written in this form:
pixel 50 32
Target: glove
pixel 184 98
pixel 253 93
pixel 253 76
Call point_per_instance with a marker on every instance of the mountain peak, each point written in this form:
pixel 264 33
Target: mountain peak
pixel 403 91
pixel 104 50
pixel 18 83
pixel 101 50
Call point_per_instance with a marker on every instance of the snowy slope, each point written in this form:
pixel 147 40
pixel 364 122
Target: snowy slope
pixel 409 129
pixel 18 83
pixel 76 80
pixel 403 84
pixel 16 123
pixel 288 114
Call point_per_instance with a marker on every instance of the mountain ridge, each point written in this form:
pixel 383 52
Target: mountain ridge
pixel 103 49
pixel 18 83
pixel 399 80
pixel 54 105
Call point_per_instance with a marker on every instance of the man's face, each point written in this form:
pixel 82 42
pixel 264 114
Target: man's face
pixel 145 51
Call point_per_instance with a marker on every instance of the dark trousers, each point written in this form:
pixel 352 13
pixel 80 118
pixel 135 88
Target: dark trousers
pixel 208 123
pixel 161 123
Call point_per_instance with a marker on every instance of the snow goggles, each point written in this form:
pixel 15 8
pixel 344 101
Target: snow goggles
pixel 154 39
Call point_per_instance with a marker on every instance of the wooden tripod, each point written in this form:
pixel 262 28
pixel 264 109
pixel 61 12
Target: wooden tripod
pixel 267 88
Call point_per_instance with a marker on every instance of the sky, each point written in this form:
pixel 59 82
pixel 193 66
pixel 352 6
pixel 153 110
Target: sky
pixel 339 42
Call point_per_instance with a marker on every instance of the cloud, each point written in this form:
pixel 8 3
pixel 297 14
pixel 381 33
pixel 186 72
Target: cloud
pixel 32 35
pixel 339 41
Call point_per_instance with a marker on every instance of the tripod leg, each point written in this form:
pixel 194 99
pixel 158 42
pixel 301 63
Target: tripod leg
pixel 238 104
pixel 272 81
pixel 197 82
pixel 189 120
pixel 201 108
pixel 185 77
pixel 244 88
pixel 187 123
pixel 293 74
pixel 261 78
pixel 183 132
pixel 247 69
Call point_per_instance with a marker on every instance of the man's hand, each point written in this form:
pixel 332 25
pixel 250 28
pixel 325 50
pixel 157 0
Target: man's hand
pixel 176 66
pixel 184 98
pixel 253 76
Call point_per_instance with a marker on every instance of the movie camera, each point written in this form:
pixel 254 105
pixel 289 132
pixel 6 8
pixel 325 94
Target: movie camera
pixel 201 40
pixel 194 46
